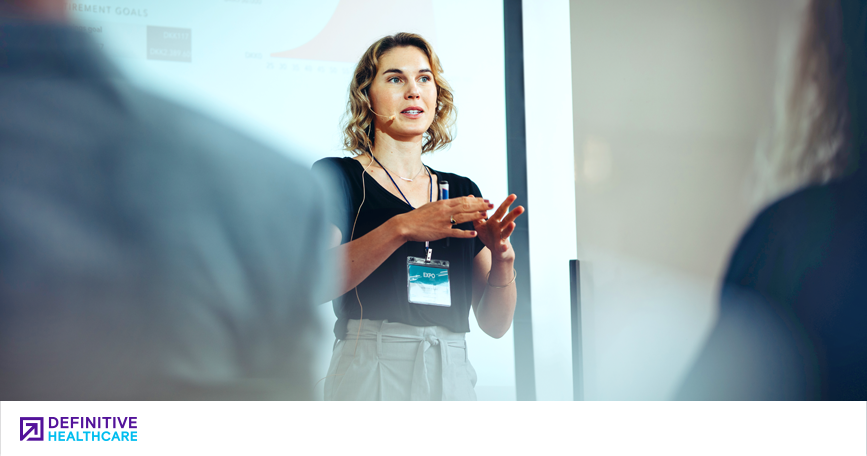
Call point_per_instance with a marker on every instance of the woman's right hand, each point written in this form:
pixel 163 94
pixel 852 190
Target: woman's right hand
pixel 433 221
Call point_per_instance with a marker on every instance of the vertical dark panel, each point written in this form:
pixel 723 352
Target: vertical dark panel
pixel 577 347
pixel 516 153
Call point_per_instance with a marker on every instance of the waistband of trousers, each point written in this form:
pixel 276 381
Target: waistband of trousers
pixel 396 331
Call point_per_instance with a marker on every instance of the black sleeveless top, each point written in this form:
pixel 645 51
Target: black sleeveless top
pixel 384 293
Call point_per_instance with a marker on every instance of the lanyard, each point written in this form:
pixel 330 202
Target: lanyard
pixel 430 197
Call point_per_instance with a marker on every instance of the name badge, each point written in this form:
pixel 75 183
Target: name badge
pixel 428 282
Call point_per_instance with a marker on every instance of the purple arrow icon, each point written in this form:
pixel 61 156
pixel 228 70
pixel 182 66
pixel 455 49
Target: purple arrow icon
pixel 33 425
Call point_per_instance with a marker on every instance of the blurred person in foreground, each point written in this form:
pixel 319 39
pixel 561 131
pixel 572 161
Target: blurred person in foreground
pixel 146 252
pixel 793 310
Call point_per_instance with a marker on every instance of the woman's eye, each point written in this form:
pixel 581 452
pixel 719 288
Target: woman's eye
pixel 424 79
pixel 394 79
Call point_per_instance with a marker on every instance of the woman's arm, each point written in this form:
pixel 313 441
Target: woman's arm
pixel 495 294
pixel 430 222
pixel 493 307
pixel 362 256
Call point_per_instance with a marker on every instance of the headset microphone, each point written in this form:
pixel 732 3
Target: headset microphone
pixel 390 118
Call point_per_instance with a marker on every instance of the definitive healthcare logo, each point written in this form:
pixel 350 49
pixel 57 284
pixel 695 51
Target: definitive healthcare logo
pixel 80 429
pixel 34 427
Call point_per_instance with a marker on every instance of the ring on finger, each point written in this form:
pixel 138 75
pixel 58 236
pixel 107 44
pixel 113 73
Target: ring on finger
pixel 454 222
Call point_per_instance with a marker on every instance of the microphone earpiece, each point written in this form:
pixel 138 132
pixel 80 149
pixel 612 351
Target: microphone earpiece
pixel 390 118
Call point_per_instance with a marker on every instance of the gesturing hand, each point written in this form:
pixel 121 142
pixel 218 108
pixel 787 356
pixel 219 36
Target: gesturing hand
pixel 495 231
pixel 433 221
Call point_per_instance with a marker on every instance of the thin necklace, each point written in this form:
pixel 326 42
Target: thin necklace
pixel 430 184
pixel 396 174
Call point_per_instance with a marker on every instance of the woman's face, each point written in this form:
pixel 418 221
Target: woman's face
pixel 404 88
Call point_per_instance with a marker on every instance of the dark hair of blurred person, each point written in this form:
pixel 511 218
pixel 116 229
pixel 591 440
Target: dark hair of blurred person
pixel 793 307
pixel 146 251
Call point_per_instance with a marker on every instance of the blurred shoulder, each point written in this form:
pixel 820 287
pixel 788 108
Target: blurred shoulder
pixel 334 165
pixel 810 211
pixel 794 231
pixel 342 162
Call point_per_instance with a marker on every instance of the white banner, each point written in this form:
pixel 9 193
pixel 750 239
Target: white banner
pixel 532 428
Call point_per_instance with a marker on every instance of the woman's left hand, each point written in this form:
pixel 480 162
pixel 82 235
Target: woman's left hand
pixel 495 231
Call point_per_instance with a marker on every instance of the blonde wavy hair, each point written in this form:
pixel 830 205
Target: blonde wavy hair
pixel 358 133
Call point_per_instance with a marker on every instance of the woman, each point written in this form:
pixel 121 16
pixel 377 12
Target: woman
pixel 793 307
pixel 415 263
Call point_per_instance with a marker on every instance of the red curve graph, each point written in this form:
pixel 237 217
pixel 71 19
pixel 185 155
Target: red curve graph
pixel 356 24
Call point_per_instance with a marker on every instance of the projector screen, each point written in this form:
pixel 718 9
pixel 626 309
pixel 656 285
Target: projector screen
pixel 280 70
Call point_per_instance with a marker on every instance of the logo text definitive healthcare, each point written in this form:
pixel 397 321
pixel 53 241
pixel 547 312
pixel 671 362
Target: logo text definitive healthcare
pixel 80 429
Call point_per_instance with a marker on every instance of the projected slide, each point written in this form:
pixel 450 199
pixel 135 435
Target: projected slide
pixel 337 32
pixel 253 62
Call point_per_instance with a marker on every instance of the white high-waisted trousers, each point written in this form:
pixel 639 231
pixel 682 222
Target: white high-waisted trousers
pixel 394 361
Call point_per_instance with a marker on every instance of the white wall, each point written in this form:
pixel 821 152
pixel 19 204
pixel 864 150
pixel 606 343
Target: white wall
pixel 551 195
pixel 669 99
